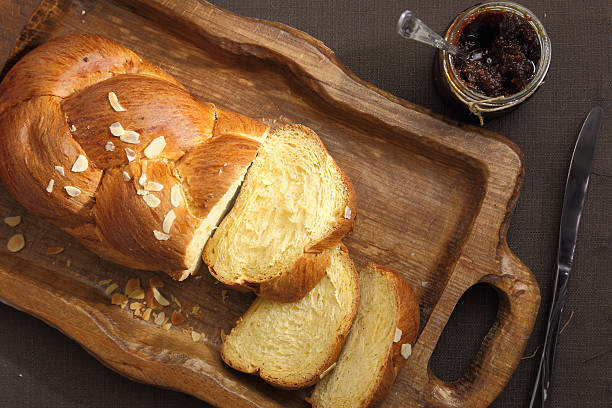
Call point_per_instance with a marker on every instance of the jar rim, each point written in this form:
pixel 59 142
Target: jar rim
pixel 487 103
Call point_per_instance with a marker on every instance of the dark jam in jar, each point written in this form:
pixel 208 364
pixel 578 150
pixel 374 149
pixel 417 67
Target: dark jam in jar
pixel 504 53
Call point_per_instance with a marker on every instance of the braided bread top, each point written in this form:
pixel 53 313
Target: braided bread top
pixel 116 152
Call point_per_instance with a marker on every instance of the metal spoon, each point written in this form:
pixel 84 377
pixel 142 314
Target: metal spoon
pixel 409 26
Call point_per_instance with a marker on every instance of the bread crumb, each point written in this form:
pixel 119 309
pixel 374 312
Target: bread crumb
pixel 73 128
pixel 177 318
pixel 147 314
pixel 425 284
pixel 195 336
pixel 119 299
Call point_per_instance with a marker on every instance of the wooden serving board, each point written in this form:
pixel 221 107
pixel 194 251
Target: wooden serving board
pixel 434 203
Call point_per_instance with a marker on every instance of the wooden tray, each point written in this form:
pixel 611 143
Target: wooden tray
pixel 435 200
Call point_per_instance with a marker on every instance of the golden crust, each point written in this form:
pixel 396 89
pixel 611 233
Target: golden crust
pixel 54 107
pixel 332 353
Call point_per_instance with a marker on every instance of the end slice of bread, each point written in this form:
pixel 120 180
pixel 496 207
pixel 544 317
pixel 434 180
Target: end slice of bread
pixel 291 345
pixel 387 321
pixel 294 205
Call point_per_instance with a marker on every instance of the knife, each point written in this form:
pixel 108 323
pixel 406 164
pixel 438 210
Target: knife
pixel 573 202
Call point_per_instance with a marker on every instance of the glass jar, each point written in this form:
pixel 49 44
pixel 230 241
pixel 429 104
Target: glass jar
pixel 451 85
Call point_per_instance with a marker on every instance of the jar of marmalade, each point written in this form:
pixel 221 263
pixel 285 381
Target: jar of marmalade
pixel 509 55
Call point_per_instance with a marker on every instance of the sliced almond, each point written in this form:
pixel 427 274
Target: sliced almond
pixel 119 299
pixel 55 250
pixel 175 195
pixel 160 298
pixel 104 282
pixel 406 350
pixel 13 221
pixel 161 236
pixel 80 164
pixel 154 186
pixel 177 318
pixel 168 221
pixel 195 309
pixel 195 336
pixel 398 335
pixel 142 180
pixel 136 306
pixel 50 185
pixel 114 102
pixel 220 171
pixel 142 192
pixel 154 148
pixel 129 136
pixel 109 147
pixel 166 326
pixel 130 154
pixel 126 176
pixel 60 170
pixel 111 288
pixel 73 128
pixel 159 319
pixel 137 293
pixel 147 314
pixel 152 200
pixel 131 284
pixel 155 282
pixel 15 243
pixel 116 129
pixel 71 190
pixel 347 212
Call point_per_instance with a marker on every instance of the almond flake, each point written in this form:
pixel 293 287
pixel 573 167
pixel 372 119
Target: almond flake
pixel 71 190
pixel 13 221
pixel 137 293
pixel 142 180
pixel 15 243
pixel 104 282
pixel 126 176
pixel 168 221
pixel 136 306
pixel 159 319
pixel 129 136
pixel 154 148
pixel 131 284
pixel 425 284
pixel 109 146
pixel 167 326
pixel 116 129
pixel 73 128
pixel 177 318
pixel 50 185
pixel 398 335
pixel 406 350
pixel 177 301
pixel 130 154
pixel 151 200
pixel 142 192
pixel 175 196
pixel 155 282
pixel 195 309
pixel 154 186
pixel 347 212
pixel 80 164
pixel 60 170
pixel 111 288
pixel 147 314
pixel 54 250
pixel 220 171
pixel 160 298
pixel 224 164
pixel 161 236
pixel 195 336
pixel 119 299
pixel 114 102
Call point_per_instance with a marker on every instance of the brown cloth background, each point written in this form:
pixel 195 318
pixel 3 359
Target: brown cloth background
pixel 39 367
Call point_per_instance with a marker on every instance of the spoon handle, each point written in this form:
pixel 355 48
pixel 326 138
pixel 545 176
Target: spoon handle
pixel 409 26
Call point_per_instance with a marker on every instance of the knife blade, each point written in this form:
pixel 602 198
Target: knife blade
pixel 573 203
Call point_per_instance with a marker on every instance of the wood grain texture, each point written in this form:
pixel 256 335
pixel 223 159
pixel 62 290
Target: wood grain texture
pixel 448 229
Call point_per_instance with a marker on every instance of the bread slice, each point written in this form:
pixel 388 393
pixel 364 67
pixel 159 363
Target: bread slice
pixel 291 345
pixel 387 321
pixel 294 205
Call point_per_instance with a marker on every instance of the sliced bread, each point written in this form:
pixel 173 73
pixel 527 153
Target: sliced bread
pixel 379 342
pixel 294 205
pixel 291 345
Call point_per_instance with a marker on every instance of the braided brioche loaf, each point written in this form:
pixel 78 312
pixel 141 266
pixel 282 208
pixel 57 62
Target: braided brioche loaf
pixel 117 153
